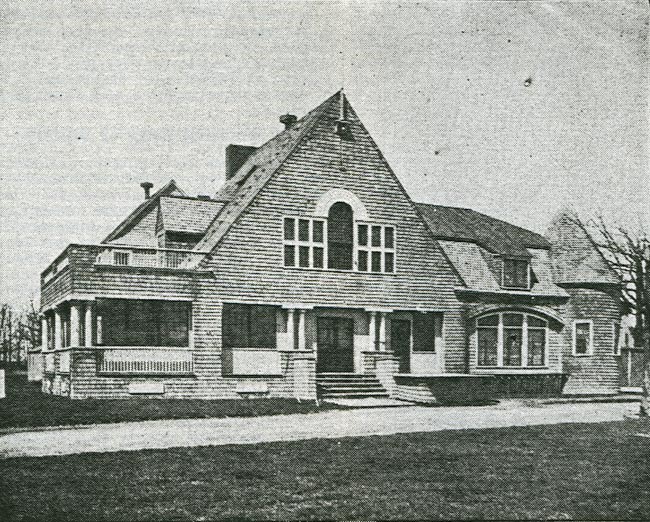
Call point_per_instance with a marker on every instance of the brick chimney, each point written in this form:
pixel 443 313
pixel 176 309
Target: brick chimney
pixel 236 156
pixel 147 186
pixel 288 120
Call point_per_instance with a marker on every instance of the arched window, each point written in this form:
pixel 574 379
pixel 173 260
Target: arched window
pixel 511 339
pixel 339 236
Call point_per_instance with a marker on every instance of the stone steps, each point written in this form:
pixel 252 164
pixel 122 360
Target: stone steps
pixel 349 385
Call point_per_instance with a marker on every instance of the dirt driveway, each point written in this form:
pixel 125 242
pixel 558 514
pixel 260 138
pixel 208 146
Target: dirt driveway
pixel 330 424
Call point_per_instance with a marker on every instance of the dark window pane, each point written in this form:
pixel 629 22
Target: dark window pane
pixel 289 255
pixel 536 347
pixel 512 346
pixel 303 230
pixel 535 322
pixel 376 236
pixel 389 237
pixel 515 273
pixel 362 236
pixel 389 262
pixel 248 326
pixel 424 332
pixel 376 261
pixel 339 236
pixel 513 319
pixel 318 257
pixel 489 320
pixel 289 229
pixel 487 346
pixel 617 337
pixel 318 231
pixel 363 260
pixel 303 256
pixel 262 326
pixel 582 338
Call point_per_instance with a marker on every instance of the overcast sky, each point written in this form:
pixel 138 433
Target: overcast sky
pixel 514 109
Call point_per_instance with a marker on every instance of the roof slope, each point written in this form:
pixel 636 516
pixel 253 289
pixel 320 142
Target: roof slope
pixel 495 235
pixel 239 191
pixel 141 210
pixel 574 257
pixel 191 215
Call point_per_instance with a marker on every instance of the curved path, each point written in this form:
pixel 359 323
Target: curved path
pixel 131 436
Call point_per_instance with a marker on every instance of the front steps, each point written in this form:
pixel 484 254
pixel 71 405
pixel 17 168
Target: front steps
pixel 349 386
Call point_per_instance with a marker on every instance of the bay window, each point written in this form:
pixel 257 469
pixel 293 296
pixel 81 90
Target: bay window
pixel 511 339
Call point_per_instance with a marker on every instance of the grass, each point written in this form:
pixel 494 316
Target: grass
pixel 26 406
pixel 576 471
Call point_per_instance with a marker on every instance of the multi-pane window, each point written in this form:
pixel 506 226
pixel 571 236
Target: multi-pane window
pixel 248 326
pixel 308 243
pixel 375 248
pixel 516 273
pixel 303 242
pixel 616 338
pixel 511 339
pixel 582 338
pixel 135 322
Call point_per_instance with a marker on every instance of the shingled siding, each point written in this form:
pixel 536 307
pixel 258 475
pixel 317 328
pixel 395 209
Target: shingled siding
pixel 597 373
pixel 248 263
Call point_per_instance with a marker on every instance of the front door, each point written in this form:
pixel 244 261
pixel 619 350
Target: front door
pixel 335 344
pixel 400 341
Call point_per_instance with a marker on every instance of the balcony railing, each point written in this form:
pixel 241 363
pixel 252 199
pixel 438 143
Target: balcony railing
pixel 148 257
pixel 149 361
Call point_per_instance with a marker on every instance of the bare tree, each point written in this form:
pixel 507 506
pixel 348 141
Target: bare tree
pixel 628 255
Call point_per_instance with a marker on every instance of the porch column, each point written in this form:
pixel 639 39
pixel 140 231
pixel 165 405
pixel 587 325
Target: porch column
pixel 291 329
pixel 88 325
pixel 301 330
pixel 44 346
pixel 382 331
pixel 57 329
pixel 372 327
pixel 75 324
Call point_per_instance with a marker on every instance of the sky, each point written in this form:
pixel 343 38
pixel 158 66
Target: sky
pixel 514 109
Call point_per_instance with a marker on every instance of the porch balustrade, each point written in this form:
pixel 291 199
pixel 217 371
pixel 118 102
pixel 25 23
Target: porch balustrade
pixel 149 257
pixel 149 361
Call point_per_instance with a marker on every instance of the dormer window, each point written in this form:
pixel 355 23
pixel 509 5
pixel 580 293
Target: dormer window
pixel 516 273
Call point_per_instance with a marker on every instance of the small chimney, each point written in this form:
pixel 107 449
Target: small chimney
pixel 288 120
pixel 147 186
pixel 236 156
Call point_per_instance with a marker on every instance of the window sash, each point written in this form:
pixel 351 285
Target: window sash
pixel 516 344
pixel 583 333
pixel 303 242
pixel 516 273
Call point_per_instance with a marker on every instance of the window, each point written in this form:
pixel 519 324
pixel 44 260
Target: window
pixel 582 338
pixel 248 326
pixel 511 339
pixel 132 322
pixel 339 236
pixel 426 329
pixel 516 273
pixel 303 242
pixel 377 252
pixel 616 338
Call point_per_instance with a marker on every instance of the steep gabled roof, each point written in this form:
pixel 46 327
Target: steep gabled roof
pixel 239 191
pixel 495 235
pixel 574 256
pixel 189 215
pixel 169 189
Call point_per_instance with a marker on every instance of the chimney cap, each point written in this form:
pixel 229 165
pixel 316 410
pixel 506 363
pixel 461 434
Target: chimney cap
pixel 147 186
pixel 288 120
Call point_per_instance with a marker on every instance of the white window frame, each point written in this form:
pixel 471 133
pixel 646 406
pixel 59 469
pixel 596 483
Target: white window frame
pixel 503 273
pixel 524 340
pixel 382 249
pixel 296 243
pixel 590 347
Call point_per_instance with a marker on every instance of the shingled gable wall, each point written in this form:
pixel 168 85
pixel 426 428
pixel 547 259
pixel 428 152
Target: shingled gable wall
pixel 248 262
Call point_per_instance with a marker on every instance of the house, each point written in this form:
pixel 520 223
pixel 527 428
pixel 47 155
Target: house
pixel 311 269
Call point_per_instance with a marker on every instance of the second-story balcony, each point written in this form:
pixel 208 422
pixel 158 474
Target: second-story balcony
pixel 111 269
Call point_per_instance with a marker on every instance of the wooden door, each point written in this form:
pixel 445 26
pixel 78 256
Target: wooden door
pixel 400 341
pixel 335 344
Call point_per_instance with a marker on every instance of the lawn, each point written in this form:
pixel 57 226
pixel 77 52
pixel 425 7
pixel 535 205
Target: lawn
pixel 579 471
pixel 26 406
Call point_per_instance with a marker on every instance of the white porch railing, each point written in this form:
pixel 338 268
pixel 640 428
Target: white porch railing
pixel 149 257
pixel 49 362
pixel 134 360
